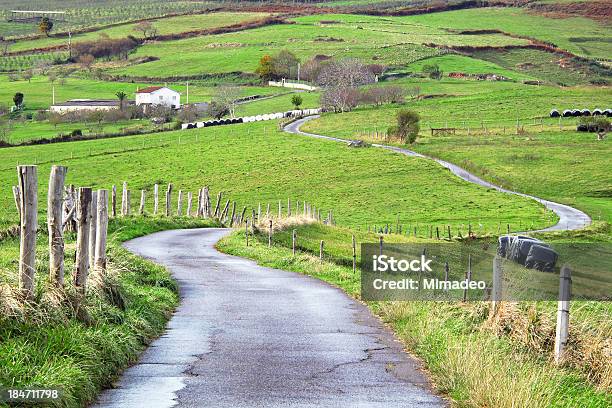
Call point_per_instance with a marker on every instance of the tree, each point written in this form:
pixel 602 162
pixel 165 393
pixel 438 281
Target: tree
pixel 18 100
pixel 340 80
pixel 285 65
pixel 6 126
pixel 265 70
pixel 188 113
pixel 296 100
pixel 226 96
pixel 311 69
pixel 52 76
pixel 407 128
pixel 122 96
pixel 27 75
pixel 4 45
pixel 433 71
pixel 45 26
pixel 146 28
pixel 217 111
pixel 86 60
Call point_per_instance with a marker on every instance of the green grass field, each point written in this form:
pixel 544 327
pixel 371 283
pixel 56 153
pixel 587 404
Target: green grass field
pixel 169 25
pixel 254 163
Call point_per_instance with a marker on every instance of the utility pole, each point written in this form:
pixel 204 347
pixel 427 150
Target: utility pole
pixel 298 73
pixel 187 92
pixel 53 95
pixel 69 44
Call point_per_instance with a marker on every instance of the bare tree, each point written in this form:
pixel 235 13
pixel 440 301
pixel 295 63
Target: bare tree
pixel 188 113
pixel 340 80
pixel 6 126
pixel 4 45
pixel 86 60
pixel 146 28
pixel 226 97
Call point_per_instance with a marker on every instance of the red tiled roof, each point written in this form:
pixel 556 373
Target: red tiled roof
pixel 149 89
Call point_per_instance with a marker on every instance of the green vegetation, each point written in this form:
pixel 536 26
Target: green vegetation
pixel 81 346
pixel 255 162
pixel 474 360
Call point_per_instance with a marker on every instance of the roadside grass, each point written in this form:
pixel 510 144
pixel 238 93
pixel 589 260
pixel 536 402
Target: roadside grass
pixel 80 346
pixel 256 163
pixel 164 25
pixel 469 358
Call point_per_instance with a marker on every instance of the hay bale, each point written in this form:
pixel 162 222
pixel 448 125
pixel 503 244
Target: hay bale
pixel 541 258
pixel 576 113
pixel 597 112
pixel 554 113
pixel 585 112
pixel 567 113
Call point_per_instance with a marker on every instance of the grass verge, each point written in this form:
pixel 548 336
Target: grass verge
pixel 57 341
pixel 470 361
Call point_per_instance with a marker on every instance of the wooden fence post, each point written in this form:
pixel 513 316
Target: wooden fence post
pixel 55 224
pixel 449 233
pixel 288 207
pixel 200 208
pixel 124 205
pixel 155 199
pixel 380 240
pixel 268 211
pixel 142 202
pixel 563 309
pixel 93 224
pixel 354 255
pixel 438 233
pixel 468 276
pixel 321 245
pixel 293 239
pixel 101 230
pixel 446 272
pixel 81 265
pixel 496 294
pixel 270 234
pixel 179 206
pixel 114 201
pixel 246 231
pixel 233 216
pixel 258 211
pixel 28 187
pixel 280 209
pixel 207 207
pixel 242 219
pixel 17 197
pixel 223 214
pixel 217 206
pixel 189 203
pixel 169 200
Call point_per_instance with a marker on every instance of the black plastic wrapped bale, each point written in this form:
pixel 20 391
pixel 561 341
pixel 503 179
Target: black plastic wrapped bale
pixel 207 124
pixel 567 113
pixel 240 120
pixel 192 126
pixel 597 112
pixel 541 258
pixel 513 252
pixel 608 112
pixel 502 245
pixel 523 248
pixel 582 128
pixel 585 112
pixel 554 113
pixel 576 113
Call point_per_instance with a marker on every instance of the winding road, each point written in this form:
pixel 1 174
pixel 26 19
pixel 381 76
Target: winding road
pixel 250 336
pixel 569 218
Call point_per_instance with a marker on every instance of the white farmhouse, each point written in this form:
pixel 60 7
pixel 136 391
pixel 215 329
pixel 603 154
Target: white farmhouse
pixel 158 95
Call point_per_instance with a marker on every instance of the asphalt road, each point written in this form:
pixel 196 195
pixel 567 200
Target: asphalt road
pixel 249 336
pixel 569 218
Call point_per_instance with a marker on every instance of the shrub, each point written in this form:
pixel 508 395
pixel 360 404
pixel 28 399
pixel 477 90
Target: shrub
pixel 593 124
pixel 76 132
pixel 296 100
pixel 407 127
pixel 433 71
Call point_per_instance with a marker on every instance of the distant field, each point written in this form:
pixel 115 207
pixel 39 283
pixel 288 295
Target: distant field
pixel 280 103
pixel 362 186
pixel 38 92
pixel 374 39
pixel 168 25
pixel 581 36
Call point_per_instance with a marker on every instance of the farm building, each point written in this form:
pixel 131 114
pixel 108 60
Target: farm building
pixel 158 95
pixel 75 105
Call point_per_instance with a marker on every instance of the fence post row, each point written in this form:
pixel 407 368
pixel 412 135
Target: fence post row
pixel 55 224
pixel 101 230
pixel 81 266
pixel 28 188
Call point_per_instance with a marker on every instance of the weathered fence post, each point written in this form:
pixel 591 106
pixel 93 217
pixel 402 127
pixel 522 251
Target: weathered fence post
pixel 55 224
pixel 496 295
pixel 268 211
pixel 270 234
pixel 246 231
pixel 381 244
pixel 563 309
pixel 468 276
pixel 179 207
pixel 155 199
pixel 124 205
pixel 93 223
pixel 288 207
pixel 169 200
pixel 293 239
pixel 207 206
pixel 17 197
pixel 114 201
pixel 189 203
pixel 233 216
pixel 280 210
pixel 28 187
pixel 216 213
pixel 354 255
pixel 223 214
pixel 242 214
pixel 101 230
pixel 321 245
pixel 446 272
pixel 142 202
pixel 449 233
pixel 200 209
pixel 81 265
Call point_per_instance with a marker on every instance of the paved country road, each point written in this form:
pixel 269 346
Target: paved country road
pixel 249 336
pixel 569 218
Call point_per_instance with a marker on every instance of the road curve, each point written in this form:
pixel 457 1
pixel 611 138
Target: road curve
pixel 249 336
pixel 569 218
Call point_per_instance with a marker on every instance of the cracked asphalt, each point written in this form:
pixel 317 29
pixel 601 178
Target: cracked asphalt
pixel 250 336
